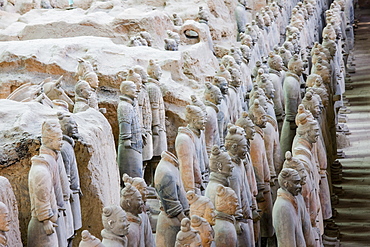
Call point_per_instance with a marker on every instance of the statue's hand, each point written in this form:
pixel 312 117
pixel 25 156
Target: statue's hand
pixel 155 130
pixel 127 143
pixel 144 137
pixel 238 228
pixel 49 227
pixel 260 197
pixel 255 215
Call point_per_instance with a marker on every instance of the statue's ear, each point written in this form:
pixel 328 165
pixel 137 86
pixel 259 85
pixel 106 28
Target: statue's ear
pixel 219 166
pixel 234 146
pixel 110 223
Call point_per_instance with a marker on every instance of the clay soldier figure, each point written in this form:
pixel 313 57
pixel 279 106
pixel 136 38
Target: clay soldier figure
pixel 187 236
pixel 145 113
pixel 88 240
pixel 83 93
pixel 4 224
pixel 172 195
pixel 205 230
pixel 262 170
pixel 201 206
pixel 277 76
pixel 213 98
pixel 223 114
pixel 177 21
pixel 226 203
pixel 191 150
pixel 310 233
pixel 221 167
pixel 142 187
pixel 236 145
pixel 44 208
pixel 116 227
pixel 86 73
pixel 307 134
pixel 130 145
pixel 292 97
pixel 140 233
pixel 70 132
pixel 203 15
pixel 246 123
pixel 158 114
pixel 287 217
pixel 236 102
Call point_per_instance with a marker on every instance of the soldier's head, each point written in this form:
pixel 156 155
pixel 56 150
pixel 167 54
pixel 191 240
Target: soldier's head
pixel 129 89
pixel 296 164
pixel 195 117
pixel 220 162
pixel 115 220
pixel 68 124
pixel 290 181
pixel 246 123
pixel 212 94
pixel 131 200
pixel 51 134
pixel 236 142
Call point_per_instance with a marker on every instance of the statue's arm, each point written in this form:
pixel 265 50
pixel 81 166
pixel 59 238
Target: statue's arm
pixel 185 156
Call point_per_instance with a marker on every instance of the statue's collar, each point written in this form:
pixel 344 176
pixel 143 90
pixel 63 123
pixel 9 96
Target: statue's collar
pixel 224 216
pixel 220 178
pixel 45 150
pixel 292 75
pixel 214 106
pixel 133 218
pixel 69 140
pixel 259 130
pixel 108 235
pixel 80 99
pixel 274 71
pixel 127 99
pixel 287 196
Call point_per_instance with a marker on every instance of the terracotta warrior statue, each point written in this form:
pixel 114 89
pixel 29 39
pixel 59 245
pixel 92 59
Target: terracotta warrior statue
pixel 88 240
pixel 262 169
pixel 187 236
pixel 130 145
pixel 70 133
pixel 287 218
pixel 277 76
pixel 205 230
pixel 213 98
pixel 157 107
pixel 41 180
pixel 145 113
pixel 307 134
pixel 221 167
pixel 236 145
pixel 140 232
pixel 4 224
pixel 86 73
pixel 191 150
pixel 141 186
pixel 249 128
pixel 292 97
pixel 310 233
pixel 223 115
pixel 83 93
pixel 172 195
pixel 201 206
pixel 226 203
pixel 116 227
